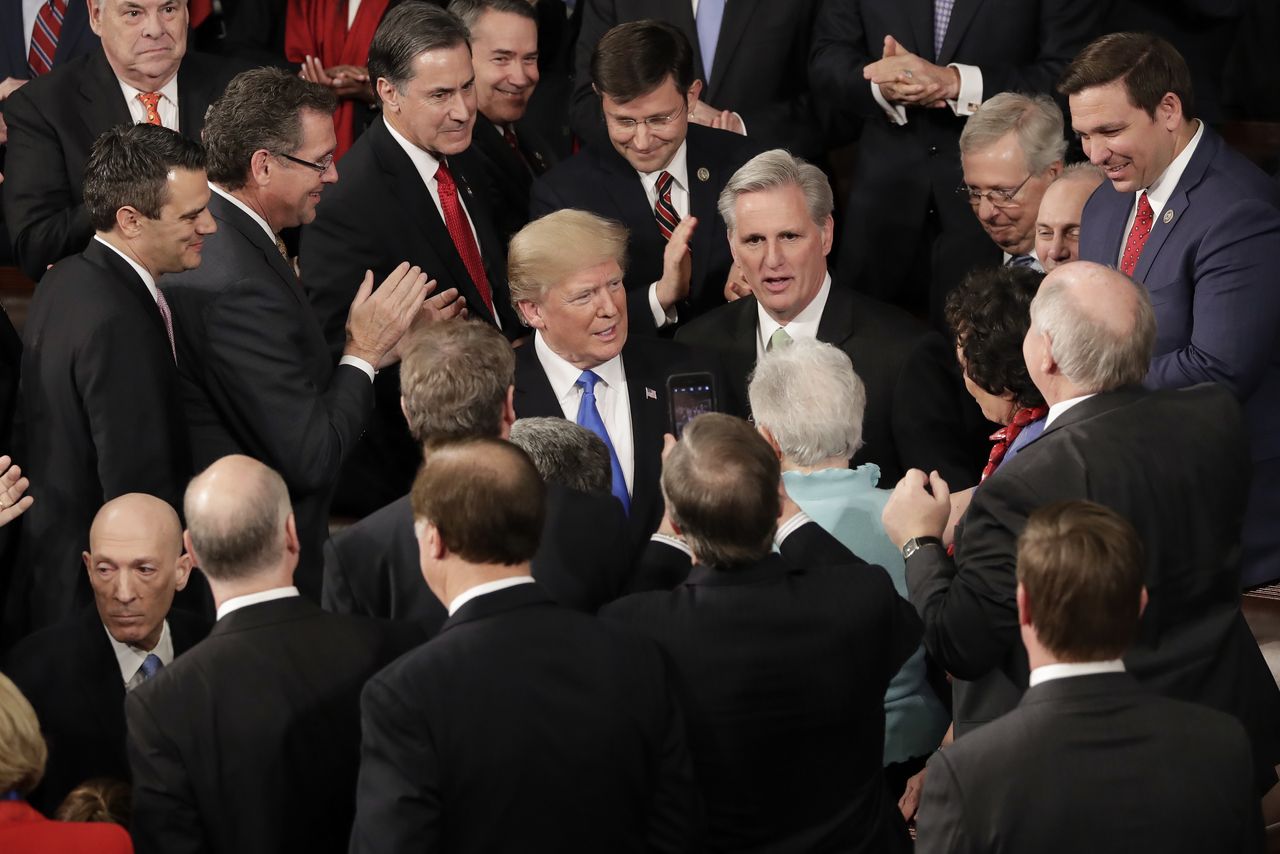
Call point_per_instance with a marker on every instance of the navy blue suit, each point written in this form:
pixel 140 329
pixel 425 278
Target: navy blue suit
pixel 1209 266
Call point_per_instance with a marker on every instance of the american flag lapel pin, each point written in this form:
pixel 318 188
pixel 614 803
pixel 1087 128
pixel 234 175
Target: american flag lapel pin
pixel 650 394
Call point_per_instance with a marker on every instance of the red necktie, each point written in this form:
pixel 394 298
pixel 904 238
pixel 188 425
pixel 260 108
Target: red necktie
pixel 510 136
pixel 1137 235
pixel 663 211
pixel 151 100
pixel 44 37
pixel 455 219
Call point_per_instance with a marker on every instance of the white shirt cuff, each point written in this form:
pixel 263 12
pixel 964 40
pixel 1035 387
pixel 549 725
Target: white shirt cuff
pixel 357 362
pixel 741 120
pixel 789 527
pixel 661 318
pixel 896 113
pixel 970 96
pixel 674 542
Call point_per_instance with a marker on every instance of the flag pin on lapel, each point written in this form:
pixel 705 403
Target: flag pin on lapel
pixel 704 174
pixel 1168 216
pixel 650 394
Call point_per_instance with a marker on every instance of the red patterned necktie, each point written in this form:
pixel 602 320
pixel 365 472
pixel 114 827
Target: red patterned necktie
pixel 455 219
pixel 1137 235
pixel 1004 437
pixel 44 37
pixel 663 211
pixel 151 100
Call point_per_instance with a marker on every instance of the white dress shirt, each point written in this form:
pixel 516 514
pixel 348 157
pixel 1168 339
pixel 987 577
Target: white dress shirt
pixel 354 361
pixel 784 531
pixel 30 8
pixel 235 603
pixel 488 587
pixel 611 399
pixel 1066 670
pixel 1062 406
pixel 130 657
pixel 143 273
pixel 167 107
pixel 802 327
pixel 679 169
pixel 1161 188
pixel 353 8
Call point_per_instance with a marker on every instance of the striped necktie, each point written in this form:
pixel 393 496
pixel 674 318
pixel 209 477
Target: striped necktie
pixel 44 37
pixel 663 211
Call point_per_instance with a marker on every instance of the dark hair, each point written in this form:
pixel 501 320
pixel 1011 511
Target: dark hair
pixel 260 110
pixel 565 453
pixel 100 799
pixel 989 314
pixel 485 498
pixel 1081 565
pixel 633 59
pixel 129 165
pixel 454 379
pixel 469 11
pixel 1147 65
pixel 721 486
pixel 409 30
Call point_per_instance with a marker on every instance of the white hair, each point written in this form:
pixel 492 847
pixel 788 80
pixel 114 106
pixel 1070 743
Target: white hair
pixel 808 397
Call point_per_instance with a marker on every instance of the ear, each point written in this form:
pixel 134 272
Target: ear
pixel 769 437
pixel 508 412
pixel 95 16
pixel 1055 169
pixel 1169 111
pixel 183 572
pixel 828 228
pixel 1048 365
pixel 389 95
pixel 1142 601
pixel 189 549
pixel 88 562
pixel 531 312
pixel 1024 609
pixel 695 92
pixel 261 165
pixel 291 542
pixel 129 222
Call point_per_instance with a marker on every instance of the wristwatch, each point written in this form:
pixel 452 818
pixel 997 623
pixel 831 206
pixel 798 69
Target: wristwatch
pixel 915 544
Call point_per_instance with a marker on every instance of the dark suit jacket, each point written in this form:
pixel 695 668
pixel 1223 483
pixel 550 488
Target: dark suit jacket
pixel 101 415
pixel 70 674
pixel 1136 452
pixel 647 363
pixel 783 667
pixel 74 39
pixel 759 70
pixel 904 177
pixel 257 378
pixel 372 567
pixel 508 176
pixel 1209 271
pixel 250 742
pixel 378 215
pixel 600 180
pixel 53 123
pixel 526 727
pixel 918 413
pixel 1079 765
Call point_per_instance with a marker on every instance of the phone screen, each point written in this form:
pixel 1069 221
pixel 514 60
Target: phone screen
pixel 691 395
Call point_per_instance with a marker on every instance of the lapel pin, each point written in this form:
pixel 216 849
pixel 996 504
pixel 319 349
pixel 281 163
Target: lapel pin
pixel 538 157
pixel 1168 216
pixel 704 174
pixel 650 394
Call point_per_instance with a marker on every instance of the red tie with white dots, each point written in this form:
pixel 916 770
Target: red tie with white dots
pixel 1137 235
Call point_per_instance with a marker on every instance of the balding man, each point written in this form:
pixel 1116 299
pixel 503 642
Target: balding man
pixel 1061 207
pixel 250 743
pixel 76 673
pixel 1174 463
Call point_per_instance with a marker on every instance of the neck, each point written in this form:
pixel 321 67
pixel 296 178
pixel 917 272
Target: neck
pixel 224 591
pixel 836 462
pixel 126 247
pixel 142 82
pixel 463 576
pixel 1183 137
pixel 253 200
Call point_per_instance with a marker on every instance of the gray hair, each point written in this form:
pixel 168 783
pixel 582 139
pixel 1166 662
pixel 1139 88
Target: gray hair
pixel 771 170
pixel 470 11
pixel 1036 119
pixel 1083 171
pixel 236 539
pixel 810 400
pixel 1093 354
pixel 565 453
pixel 408 31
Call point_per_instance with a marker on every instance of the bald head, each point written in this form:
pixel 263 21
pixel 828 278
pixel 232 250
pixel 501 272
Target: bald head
pixel 237 519
pixel 1061 209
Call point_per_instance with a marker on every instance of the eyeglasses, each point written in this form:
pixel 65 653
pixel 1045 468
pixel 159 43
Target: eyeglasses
pixel 998 198
pixel 652 123
pixel 321 167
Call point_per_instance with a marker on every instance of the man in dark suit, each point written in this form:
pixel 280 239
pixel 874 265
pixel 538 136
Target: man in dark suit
pixel 504 55
pixel 142 74
pixel 257 377
pixel 588 708
pixel 409 193
pixel 584 366
pixel 457 383
pixel 250 741
pixel 656 173
pixel 778 212
pixel 76 673
pixel 751 57
pixel 1092 331
pixel 909 73
pixel 788 759
pixel 99 392
pixel 69 35
pixel 1199 226
pixel 1090 759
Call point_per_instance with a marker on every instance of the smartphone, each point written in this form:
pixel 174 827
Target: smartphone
pixel 689 395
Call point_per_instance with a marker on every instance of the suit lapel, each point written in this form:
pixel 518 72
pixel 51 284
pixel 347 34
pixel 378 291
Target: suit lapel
pixel 680 14
pixel 737 15
pixel 631 206
pixel 102 102
pixel 702 204
pixel 232 217
pixel 100 677
pixel 961 16
pixel 739 347
pixel 1175 209
pixel 647 395
pixel 920 17
pixel 103 257
pixel 534 396
pixel 836 325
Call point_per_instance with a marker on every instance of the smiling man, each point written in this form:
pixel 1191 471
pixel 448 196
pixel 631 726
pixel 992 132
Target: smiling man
pixel 141 73
pixel 1198 226
pixel 1061 209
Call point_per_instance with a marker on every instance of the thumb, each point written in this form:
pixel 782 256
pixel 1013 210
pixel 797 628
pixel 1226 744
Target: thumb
pixel 941 492
pixel 890 47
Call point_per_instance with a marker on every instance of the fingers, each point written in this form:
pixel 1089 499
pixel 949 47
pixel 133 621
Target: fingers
pixel 446 305
pixel 941 492
pixel 365 289
pixel 12 512
pixel 684 232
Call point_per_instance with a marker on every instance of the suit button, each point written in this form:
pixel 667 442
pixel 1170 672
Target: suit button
pixel 933 149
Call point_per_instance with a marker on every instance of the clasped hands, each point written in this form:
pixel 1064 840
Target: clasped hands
pixel 905 78
pixel 346 81
pixel 919 507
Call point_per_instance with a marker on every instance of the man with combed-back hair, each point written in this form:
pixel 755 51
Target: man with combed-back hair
pixel 565 453
pixel 250 741
pixel 99 392
pixel 1175 463
pixel 565 725
pixel 784 665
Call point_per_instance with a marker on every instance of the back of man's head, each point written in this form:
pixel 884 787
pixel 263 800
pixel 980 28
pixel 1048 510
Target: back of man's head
pixel 131 166
pixel 720 482
pixel 634 59
pixel 565 453
pixel 810 400
pixel 454 380
pixel 237 515
pixel 1081 568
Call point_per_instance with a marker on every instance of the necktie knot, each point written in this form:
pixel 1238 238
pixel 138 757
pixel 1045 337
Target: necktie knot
pixel 151 665
pixel 1027 261
pixel 151 100
pixel 663 209
pixel 587 382
pixel 780 338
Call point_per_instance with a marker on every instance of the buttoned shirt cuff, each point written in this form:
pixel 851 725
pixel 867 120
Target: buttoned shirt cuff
pixel 896 113
pixel 789 527
pixel 969 97
pixel 674 542
pixel 357 362
pixel 661 317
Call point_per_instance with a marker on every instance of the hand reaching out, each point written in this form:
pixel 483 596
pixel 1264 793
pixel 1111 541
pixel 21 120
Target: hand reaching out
pixel 13 503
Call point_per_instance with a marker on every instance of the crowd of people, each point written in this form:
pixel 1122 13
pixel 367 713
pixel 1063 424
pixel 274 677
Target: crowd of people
pixel 355 509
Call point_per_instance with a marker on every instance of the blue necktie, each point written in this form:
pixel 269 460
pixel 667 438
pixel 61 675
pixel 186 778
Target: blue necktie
pixel 151 666
pixel 589 417
pixel 710 14
pixel 1029 434
pixel 1028 261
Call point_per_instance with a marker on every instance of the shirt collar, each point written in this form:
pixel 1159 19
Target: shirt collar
pixel 1062 406
pixel 678 167
pixel 488 587
pixel 130 657
pixel 254 215
pixel 235 603
pixel 802 327
pixel 168 91
pixel 147 279
pixel 1066 670
pixel 564 377
pixel 424 161
pixel 1162 188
